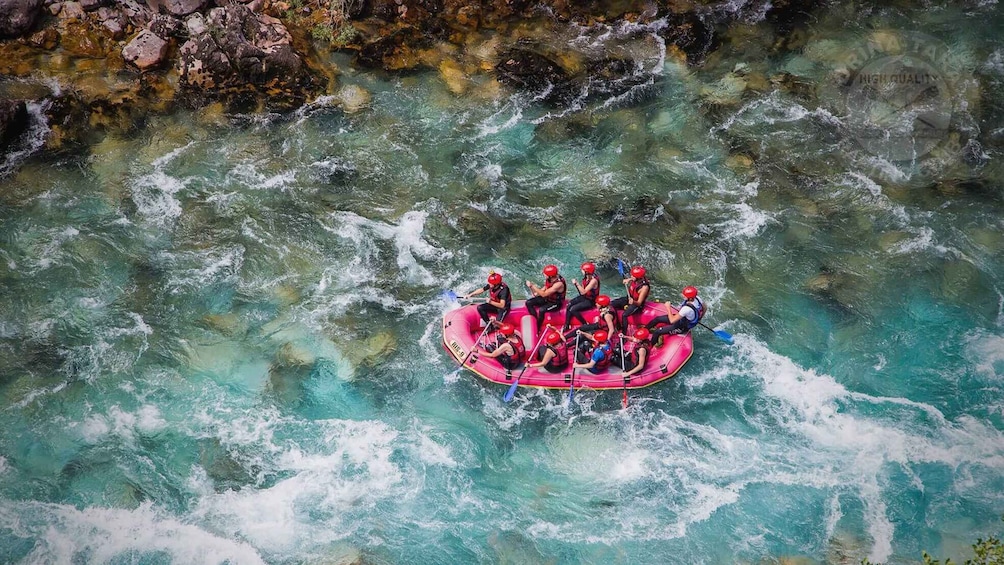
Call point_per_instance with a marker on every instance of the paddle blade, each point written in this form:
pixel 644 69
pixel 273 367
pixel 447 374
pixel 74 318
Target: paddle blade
pixel 624 399
pixel 450 296
pixel 512 391
pixel 724 336
pixel 620 267
pixel 571 393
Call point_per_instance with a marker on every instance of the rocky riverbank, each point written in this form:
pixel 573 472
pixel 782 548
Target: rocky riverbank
pixel 107 65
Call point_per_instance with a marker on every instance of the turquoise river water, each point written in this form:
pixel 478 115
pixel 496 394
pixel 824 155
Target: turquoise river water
pixel 219 337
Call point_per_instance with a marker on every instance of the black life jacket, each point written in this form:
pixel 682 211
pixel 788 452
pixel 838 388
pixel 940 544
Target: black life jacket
pixel 633 354
pixel 495 294
pixel 517 346
pixel 560 358
pixel 557 297
pixel 603 319
pixel 592 294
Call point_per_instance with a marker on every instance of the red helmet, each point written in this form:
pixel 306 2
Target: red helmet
pixel 553 338
pixel 507 329
pixel 494 279
pixel 603 300
pixel 638 272
pixel 588 268
pixel 550 271
pixel 690 292
pixel 600 336
pixel 642 334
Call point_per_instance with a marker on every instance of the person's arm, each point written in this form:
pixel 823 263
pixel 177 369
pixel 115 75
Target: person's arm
pixel 589 287
pixel 500 350
pixel 534 289
pixel 476 292
pixel 548 355
pixel 589 365
pixel 642 358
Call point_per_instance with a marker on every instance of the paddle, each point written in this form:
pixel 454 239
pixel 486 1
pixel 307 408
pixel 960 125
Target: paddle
pixel 512 389
pixel 624 398
pixel 473 348
pixel 451 296
pixel 571 386
pixel 722 334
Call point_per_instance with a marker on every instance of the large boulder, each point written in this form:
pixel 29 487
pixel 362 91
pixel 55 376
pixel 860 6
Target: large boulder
pixel 18 16
pixel 183 7
pixel 147 50
pixel 239 51
pixel 13 121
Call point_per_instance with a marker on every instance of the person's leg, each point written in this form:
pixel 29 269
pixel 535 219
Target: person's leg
pixel 628 312
pixel 484 310
pixel 589 328
pixel 656 321
pixel 575 308
pixel 532 306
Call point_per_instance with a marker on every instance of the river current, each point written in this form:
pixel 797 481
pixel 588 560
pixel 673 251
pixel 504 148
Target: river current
pixel 220 342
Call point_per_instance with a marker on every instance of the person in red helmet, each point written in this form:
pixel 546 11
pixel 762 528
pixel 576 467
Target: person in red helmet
pixel 549 298
pixel 508 348
pixel 588 289
pixel 687 315
pixel 638 354
pixel 605 319
pixel 499 299
pixel 553 356
pixel 599 353
pixel 638 288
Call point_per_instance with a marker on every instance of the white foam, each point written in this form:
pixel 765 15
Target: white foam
pixel 63 534
pixel 340 477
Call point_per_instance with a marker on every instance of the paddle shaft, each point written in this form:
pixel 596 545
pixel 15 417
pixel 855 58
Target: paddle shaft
pixel 512 388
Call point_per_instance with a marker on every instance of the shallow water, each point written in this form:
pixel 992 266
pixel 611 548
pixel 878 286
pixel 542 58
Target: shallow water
pixel 219 339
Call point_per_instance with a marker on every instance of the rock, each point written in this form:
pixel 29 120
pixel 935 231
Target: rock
pixel 91 5
pixel 183 7
pixel 454 77
pixel 524 69
pixel 241 51
pixel 46 38
pixel 167 26
pixel 137 14
pixel 18 16
pixel 72 11
pixel 146 50
pixel 114 21
pixel 14 121
pixel 195 24
pixel 354 98
pixel 292 355
pixel 373 351
pixel 692 34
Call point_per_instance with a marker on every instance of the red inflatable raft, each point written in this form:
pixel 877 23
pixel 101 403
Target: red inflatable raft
pixel 462 327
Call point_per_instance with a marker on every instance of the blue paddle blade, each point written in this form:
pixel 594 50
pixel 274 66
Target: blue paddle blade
pixel 571 393
pixel 620 267
pixel 450 295
pixel 724 336
pixel 512 391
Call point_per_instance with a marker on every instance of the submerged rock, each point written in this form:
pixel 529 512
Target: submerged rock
pixel 14 121
pixel 523 69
